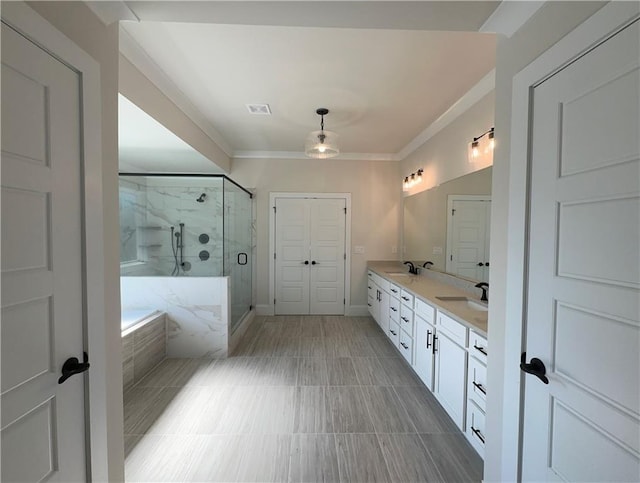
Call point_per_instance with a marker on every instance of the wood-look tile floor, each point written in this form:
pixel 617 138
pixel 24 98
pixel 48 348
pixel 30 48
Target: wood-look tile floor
pixel 302 399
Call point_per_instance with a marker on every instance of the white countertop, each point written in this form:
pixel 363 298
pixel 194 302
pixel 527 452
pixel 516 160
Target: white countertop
pixel 428 289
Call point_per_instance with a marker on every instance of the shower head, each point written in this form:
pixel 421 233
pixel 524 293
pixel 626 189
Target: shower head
pixel 201 198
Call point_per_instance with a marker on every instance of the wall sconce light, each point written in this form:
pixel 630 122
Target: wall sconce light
pixel 412 180
pixel 475 148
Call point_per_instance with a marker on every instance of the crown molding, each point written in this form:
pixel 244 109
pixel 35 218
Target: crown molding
pixel 152 71
pixel 302 156
pixel 473 95
pixel 509 17
pixel 112 11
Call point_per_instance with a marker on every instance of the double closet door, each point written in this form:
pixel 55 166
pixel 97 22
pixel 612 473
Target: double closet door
pixel 310 256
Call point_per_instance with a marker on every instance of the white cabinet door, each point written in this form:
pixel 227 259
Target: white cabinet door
pixel 43 422
pixel 451 377
pixel 424 359
pixel 383 311
pixel 582 316
pixel 372 297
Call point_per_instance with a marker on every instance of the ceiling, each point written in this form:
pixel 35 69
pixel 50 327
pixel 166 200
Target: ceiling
pixel 383 78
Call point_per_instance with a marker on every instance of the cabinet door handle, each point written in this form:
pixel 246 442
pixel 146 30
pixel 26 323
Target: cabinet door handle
pixel 404 298
pixel 435 339
pixel 480 388
pixel 394 309
pixel 394 290
pixel 404 345
pixel 428 337
pixel 405 319
pixel 368 304
pixel 480 349
pixel 369 286
pixel 392 332
pixel 478 434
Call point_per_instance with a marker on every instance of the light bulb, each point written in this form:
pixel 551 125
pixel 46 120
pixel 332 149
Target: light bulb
pixel 419 180
pixel 405 184
pixel 492 141
pixel 322 148
pixel 475 152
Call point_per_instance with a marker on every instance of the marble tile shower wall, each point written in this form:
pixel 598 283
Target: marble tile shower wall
pixel 162 206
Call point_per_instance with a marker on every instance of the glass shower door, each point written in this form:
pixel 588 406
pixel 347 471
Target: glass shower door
pixel 237 249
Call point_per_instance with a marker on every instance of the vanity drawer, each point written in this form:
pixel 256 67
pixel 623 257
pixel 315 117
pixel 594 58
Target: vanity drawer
pixel 394 332
pixel 406 319
pixel 426 311
pixel 406 346
pixel 477 387
pixel 478 346
pixel 394 309
pixel 476 427
pixel 394 290
pixel 456 331
pixel 406 298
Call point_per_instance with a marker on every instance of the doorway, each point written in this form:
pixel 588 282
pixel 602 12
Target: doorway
pixel 309 254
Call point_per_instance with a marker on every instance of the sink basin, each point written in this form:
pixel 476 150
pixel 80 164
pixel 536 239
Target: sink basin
pixel 471 304
pixel 398 274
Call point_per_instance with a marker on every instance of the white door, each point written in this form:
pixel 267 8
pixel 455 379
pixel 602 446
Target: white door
pixel 292 256
pixel 424 351
pixel 468 244
pixel 43 422
pixel 584 270
pixel 327 253
pixel 310 256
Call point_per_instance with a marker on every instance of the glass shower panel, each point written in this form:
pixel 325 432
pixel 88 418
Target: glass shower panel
pixel 237 249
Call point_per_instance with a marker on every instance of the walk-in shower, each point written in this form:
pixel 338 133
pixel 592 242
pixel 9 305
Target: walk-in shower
pixel 178 233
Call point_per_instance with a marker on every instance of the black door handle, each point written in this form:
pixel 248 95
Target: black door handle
pixel 314 263
pixel 428 337
pixel 306 262
pixel 480 264
pixel 535 367
pixel 73 366
pixel 486 264
pixel 242 258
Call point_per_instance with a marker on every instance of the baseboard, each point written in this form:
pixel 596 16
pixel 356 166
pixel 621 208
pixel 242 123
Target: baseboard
pixel 264 309
pixel 357 311
pixel 239 332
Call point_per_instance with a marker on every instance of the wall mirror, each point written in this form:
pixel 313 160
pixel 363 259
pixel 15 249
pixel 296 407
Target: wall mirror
pixel 449 226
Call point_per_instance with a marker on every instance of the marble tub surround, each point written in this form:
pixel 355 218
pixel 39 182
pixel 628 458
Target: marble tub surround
pixel 197 311
pixel 426 287
pixel 144 346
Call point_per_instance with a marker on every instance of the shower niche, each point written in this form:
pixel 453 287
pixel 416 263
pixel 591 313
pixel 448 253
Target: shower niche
pixel 175 228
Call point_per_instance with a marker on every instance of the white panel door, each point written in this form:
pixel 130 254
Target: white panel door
pixel 469 244
pixel 310 256
pixel 292 256
pixel 43 422
pixel 327 253
pixel 584 270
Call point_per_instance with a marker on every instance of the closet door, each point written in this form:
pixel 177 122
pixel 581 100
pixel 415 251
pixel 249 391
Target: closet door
pixel 310 256
pixel 327 251
pixel 292 256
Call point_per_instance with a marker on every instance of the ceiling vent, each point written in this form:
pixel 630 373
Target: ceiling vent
pixel 262 109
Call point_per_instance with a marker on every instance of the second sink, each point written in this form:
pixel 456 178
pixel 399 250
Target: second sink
pixel 472 304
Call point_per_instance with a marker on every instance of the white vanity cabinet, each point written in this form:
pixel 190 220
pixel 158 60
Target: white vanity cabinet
pixel 450 380
pixel 425 332
pixel 477 392
pixel 378 300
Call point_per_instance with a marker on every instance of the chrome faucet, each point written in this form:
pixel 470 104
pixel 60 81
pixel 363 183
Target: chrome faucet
pixel 428 262
pixel 484 286
pixel 412 268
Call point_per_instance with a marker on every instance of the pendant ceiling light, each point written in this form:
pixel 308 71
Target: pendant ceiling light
pixel 321 144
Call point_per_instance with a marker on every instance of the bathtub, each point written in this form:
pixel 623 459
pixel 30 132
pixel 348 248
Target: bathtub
pixel 144 343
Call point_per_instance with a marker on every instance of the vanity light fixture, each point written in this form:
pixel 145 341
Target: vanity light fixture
pixel 474 152
pixel 322 144
pixel 412 180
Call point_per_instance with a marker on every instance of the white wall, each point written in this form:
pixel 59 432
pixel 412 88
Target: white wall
pixel 552 22
pixel 444 156
pixel 77 21
pixel 143 93
pixel 376 197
